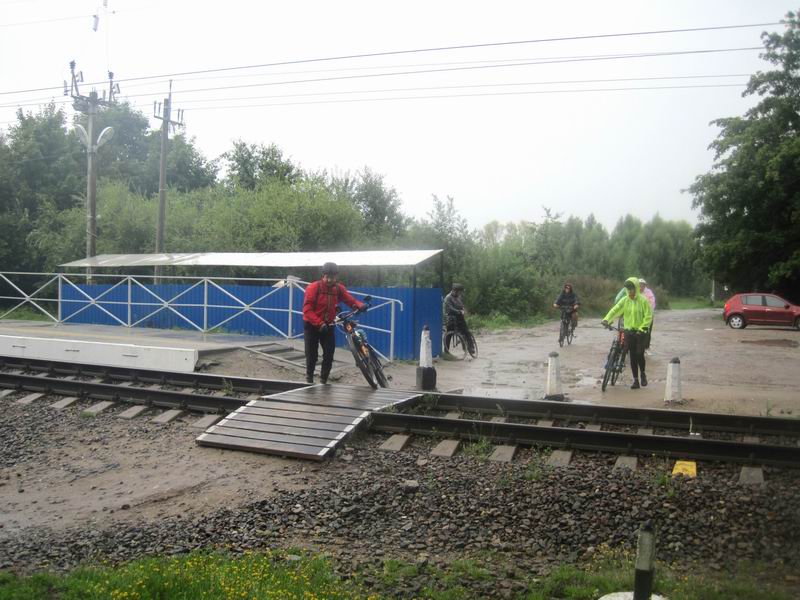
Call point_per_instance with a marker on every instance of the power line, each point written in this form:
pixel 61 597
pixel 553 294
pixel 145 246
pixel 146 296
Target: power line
pixel 475 95
pixel 450 69
pixel 421 50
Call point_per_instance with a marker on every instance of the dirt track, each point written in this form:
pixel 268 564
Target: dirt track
pixel 61 470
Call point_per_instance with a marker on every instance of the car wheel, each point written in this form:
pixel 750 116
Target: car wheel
pixel 797 323
pixel 736 321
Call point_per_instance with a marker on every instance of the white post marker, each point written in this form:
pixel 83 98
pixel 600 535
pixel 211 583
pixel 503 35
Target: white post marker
pixel 553 390
pixel 426 373
pixel 672 391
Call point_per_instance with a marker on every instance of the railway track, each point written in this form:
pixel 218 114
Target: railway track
pixel 672 433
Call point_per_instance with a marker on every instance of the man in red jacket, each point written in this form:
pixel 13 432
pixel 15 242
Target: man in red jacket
pixel 319 310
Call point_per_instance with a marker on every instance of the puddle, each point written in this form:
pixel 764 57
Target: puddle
pixel 778 343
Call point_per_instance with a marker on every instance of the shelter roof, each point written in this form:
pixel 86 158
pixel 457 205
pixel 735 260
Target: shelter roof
pixel 372 258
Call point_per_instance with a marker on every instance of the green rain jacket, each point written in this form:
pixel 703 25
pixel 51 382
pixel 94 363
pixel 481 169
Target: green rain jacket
pixel 637 313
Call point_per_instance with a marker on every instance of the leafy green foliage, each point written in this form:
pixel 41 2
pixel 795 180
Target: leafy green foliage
pixel 750 200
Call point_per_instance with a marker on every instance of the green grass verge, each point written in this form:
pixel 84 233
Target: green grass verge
pixel 25 313
pixel 272 575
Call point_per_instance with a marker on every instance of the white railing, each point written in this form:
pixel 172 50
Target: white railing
pixel 13 286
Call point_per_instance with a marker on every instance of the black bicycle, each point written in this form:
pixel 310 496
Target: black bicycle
pixel 365 356
pixel 458 343
pixel 566 332
pixel 615 362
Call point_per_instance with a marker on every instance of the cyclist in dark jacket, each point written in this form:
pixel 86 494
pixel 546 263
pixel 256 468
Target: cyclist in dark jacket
pixel 568 299
pixel 320 304
pixel 454 310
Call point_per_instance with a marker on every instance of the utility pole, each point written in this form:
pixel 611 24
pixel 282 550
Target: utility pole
pixel 89 105
pixel 166 122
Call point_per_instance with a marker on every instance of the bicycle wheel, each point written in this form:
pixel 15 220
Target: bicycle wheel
pixel 562 333
pixel 472 346
pixel 619 367
pixel 455 345
pixel 610 361
pixel 570 332
pixel 377 369
pixel 362 362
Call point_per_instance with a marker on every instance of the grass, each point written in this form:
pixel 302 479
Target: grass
pixel 499 321
pixel 480 448
pixel 25 313
pixel 273 575
pixel 214 576
pixel 537 465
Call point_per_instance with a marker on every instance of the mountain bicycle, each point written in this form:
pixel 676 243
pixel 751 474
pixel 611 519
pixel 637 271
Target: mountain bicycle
pixel 615 362
pixel 567 329
pixel 365 356
pixel 457 343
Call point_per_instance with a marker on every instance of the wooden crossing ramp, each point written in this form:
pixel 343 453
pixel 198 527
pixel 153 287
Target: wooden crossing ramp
pixel 308 422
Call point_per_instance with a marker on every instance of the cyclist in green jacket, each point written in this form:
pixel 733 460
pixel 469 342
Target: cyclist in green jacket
pixel 638 315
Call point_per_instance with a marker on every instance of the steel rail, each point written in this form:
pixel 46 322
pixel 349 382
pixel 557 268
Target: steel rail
pixel 598 413
pixel 149 396
pixel 604 441
pixel 124 374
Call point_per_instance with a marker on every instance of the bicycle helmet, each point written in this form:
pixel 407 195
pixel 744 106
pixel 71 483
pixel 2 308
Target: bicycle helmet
pixel 642 281
pixel 330 268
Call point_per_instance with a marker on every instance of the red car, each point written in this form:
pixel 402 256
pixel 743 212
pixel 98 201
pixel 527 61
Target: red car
pixel 756 308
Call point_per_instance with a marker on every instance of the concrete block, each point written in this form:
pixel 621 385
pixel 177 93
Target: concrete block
pixel 168 416
pixel 64 403
pixel 503 453
pixel 446 448
pixel 626 463
pixel 30 398
pixel 5 393
pixel 499 419
pixel 545 422
pixel 133 412
pixel 205 422
pixel 453 415
pixel 751 439
pixel 594 427
pixel 559 458
pixel 395 443
pixel 100 353
pixel 553 390
pixel 645 431
pixel 96 409
pixel 751 476
pixel 687 468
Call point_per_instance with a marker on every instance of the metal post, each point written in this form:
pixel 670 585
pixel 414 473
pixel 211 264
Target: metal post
pixel 291 305
pixel 162 186
pixel 60 291
pixel 391 336
pixel 205 304
pixel 91 183
pixel 414 304
pixel 645 557
pixel 130 302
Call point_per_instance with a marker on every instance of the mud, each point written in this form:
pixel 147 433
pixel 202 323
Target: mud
pixel 70 470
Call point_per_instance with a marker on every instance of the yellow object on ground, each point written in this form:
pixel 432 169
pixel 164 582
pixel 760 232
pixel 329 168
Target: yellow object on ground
pixel 687 468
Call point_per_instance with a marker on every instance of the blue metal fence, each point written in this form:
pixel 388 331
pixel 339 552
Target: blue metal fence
pixel 201 306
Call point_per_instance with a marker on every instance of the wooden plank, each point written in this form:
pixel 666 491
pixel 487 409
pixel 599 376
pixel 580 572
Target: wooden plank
pixel 559 458
pixel 629 463
pixel 205 422
pixel 319 434
pixel 30 398
pixel 96 409
pixel 293 450
pixel 298 416
pixel 504 453
pixel 64 402
pixel 133 412
pixel 168 416
pixel 270 437
pixel 307 408
pixel 446 448
pixel 304 413
pixel 308 423
pixel 751 475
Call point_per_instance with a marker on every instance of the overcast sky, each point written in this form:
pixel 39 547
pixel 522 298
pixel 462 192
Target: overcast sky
pixel 515 127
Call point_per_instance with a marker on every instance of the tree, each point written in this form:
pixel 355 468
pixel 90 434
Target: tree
pixel 250 165
pixel 749 228
pixel 379 205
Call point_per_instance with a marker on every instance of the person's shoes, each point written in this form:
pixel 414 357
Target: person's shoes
pixel 323 380
pixel 309 379
pixel 635 385
pixel 644 380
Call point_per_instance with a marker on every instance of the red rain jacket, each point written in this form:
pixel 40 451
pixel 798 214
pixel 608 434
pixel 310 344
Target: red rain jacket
pixel 320 302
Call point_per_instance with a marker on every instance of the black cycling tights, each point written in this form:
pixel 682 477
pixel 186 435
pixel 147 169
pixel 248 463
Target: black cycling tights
pixel 635 343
